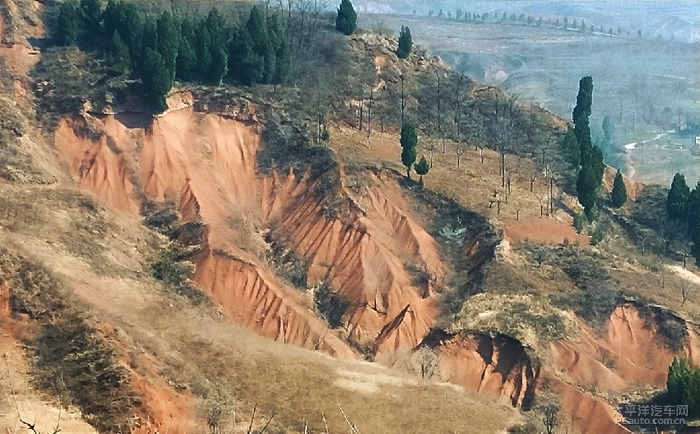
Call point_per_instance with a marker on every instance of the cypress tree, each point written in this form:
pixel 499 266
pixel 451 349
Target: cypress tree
pixel 203 50
pixel 695 249
pixel 168 40
pixel 69 23
pixel 186 61
pixel 119 53
pixel 156 78
pixel 245 65
pixel 218 35
pixel 280 49
pixel 693 209
pixel 584 99
pixel 587 188
pixel 677 198
pixel 592 169
pixel 132 28
pixel 422 168
pixel 618 195
pixel 150 37
pixel 408 140
pixel 91 11
pixel 405 43
pixel 346 20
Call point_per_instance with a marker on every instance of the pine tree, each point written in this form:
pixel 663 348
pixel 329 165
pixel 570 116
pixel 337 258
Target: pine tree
pixel 203 49
pixel 693 209
pixel 168 41
pixel 150 37
pixel 132 28
pixel 677 198
pixel 91 11
pixel 346 20
pixel 119 53
pixel 69 23
pixel 590 175
pixel 584 99
pixel 408 140
pixel 245 66
pixel 212 48
pixel 608 129
pixel 619 191
pixel 695 249
pixel 587 189
pixel 422 168
pixel 156 78
pixel 186 61
pixel 405 43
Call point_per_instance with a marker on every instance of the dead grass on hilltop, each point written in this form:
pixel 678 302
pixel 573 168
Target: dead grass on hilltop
pixel 298 386
pixel 473 184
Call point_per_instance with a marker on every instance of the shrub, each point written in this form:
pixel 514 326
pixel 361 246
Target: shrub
pixel 580 222
pixel 330 305
pixel 174 273
pixel 596 235
pixel 70 359
pixel 683 385
pixel 594 305
pixel 290 267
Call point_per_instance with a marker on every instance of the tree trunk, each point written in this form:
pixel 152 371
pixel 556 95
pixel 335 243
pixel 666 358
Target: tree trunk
pixel 408 172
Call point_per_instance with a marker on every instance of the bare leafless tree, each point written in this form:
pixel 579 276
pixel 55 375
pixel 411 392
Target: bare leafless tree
pixel 686 289
pixel 550 409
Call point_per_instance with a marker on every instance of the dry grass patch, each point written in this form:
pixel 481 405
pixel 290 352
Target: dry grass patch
pixel 473 184
pixel 297 385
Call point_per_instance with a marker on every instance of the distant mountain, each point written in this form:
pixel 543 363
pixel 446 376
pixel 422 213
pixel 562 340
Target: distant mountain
pixel 678 19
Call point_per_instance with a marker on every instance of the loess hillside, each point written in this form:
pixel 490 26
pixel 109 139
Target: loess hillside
pixel 220 267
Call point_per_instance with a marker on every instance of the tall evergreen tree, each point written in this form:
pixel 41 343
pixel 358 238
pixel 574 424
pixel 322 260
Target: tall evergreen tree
pixel 150 36
pixel 409 141
pixel 168 41
pixel 693 209
pixel 203 44
pixel 422 168
pixel 156 78
pixel 186 61
pixel 587 188
pixel 245 66
pixel 346 20
pixel 618 195
pixel 677 198
pixel 91 11
pixel 584 99
pixel 119 54
pixel 590 175
pixel 608 129
pixel 218 35
pixel 69 23
pixel 263 45
pixel 405 43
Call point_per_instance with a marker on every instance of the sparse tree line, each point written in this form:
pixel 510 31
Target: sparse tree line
pixel 528 20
